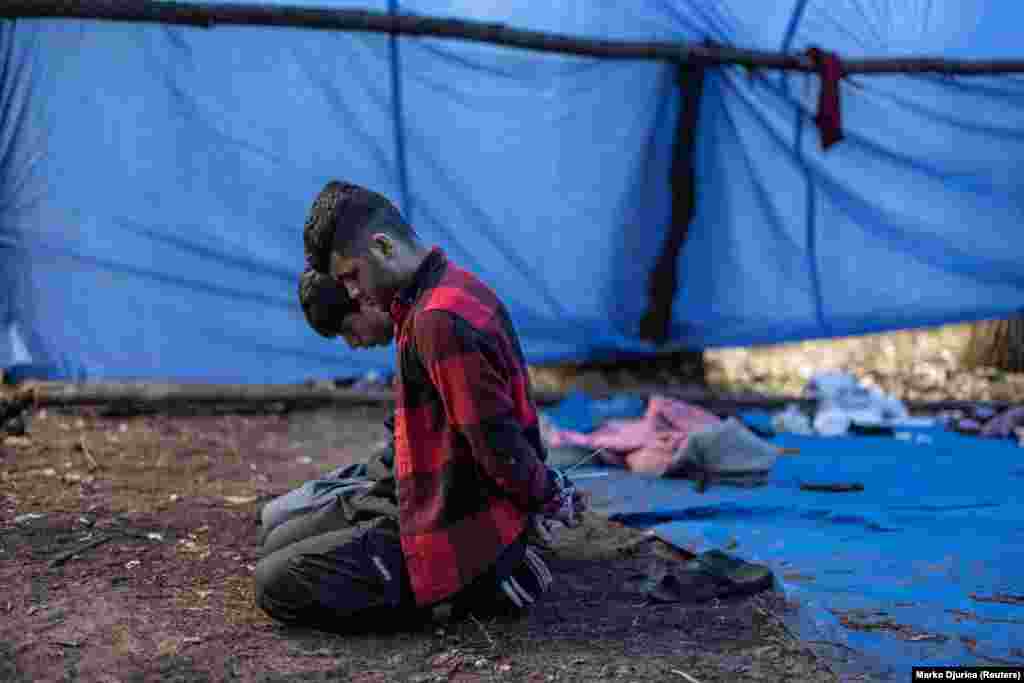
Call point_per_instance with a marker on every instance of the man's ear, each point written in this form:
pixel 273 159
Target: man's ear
pixel 383 245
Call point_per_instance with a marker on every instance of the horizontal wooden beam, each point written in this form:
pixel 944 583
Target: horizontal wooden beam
pixel 155 394
pixel 158 394
pixel 208 15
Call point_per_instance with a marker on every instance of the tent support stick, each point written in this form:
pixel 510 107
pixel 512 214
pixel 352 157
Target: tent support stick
pixel 163 394
pixel 209 15
pixel 663 284
pixel 155 395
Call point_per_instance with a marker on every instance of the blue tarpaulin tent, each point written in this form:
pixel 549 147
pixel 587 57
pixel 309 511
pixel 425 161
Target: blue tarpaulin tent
pixel 155 180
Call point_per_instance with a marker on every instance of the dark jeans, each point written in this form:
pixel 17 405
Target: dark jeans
pixel 323 571
pixel 350 578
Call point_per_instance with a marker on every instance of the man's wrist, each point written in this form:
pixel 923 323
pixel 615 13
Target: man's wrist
pixel 556 485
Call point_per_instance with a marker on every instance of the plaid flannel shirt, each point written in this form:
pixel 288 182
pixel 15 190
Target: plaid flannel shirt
pixel 469 460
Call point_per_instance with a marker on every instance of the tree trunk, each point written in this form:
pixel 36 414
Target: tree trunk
pixel 997 344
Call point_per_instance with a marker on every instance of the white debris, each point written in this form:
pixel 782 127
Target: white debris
pixel 28 517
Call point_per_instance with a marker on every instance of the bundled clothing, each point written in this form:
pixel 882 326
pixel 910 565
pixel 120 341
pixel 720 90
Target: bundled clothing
pixel 650 444
pixel 726 452
pixel 376 473
pixel 672 438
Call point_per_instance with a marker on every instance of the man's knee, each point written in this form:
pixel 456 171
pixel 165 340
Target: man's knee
pixel 278 592
pixel 261 579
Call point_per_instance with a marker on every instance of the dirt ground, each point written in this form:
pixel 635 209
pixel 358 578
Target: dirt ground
pixel 169 505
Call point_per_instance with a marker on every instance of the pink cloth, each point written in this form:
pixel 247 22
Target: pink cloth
pixel 647 444
pixel 829 117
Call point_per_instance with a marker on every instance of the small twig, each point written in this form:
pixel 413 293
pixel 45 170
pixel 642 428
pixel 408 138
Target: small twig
pixel 68 554
pixel 590 475
pixel 484 631
pixel 685 675
pixel 833 644
pixel 189 641
pixel 93 465
pixel 832 488
pixel 584 459
pixel 1003 598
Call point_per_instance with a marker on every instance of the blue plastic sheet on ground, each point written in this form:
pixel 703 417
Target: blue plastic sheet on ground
pixel 758 421
pixel 911 564
pixel 578 412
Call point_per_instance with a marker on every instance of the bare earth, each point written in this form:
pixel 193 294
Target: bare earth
pixel 167 594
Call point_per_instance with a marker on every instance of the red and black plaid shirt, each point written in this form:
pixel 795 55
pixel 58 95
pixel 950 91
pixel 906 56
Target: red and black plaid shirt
pixel 469 460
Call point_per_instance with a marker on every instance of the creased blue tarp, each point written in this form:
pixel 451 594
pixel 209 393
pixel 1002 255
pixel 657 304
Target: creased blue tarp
pixel 154 181
pixel 938 528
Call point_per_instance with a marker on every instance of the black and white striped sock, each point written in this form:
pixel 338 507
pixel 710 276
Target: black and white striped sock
pixel 529 581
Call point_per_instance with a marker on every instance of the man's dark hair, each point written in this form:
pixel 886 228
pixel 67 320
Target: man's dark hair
pixel 343 214
pixel 325 303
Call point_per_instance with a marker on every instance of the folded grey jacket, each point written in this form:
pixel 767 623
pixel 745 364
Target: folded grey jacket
pixel 367 490
pixel 725 452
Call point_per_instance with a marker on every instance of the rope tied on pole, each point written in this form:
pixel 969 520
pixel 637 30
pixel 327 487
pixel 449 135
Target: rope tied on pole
pixel 829 118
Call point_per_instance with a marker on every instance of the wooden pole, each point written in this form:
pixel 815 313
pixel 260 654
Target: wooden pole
pixel 663 282
pixel 162 394
pixel 208 15
pixel 150 394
